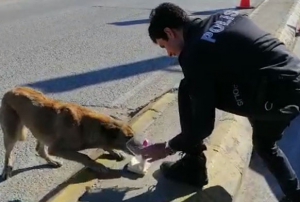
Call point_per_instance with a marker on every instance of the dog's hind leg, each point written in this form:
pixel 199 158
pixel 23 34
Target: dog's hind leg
pixel 13 130
pixel 41 150
pixel 9 144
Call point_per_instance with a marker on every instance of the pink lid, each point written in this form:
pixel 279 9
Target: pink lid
pixel 145 143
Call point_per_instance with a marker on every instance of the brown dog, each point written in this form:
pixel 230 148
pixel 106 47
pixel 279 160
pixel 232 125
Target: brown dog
pixel 64 127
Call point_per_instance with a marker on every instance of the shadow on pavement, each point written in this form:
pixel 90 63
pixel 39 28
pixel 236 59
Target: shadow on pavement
pixel 130 22
pixel 89 175
pixel 21 170
pixel 163 191
pixel 71 82
pixel 211 12
pixel 257 165
pixel 144 21
pixel 37 167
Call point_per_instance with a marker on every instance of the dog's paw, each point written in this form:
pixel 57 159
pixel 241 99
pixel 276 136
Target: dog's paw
pixel 119 156
pixel 55 164
pixel 6 173
pixel 99 168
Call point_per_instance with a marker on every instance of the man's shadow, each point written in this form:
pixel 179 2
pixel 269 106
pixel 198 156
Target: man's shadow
pixel 163 191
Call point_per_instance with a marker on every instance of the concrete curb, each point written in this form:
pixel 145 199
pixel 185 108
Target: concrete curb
pixel 229 147
pixel 228 154
pixel 153 112
pixel 289 31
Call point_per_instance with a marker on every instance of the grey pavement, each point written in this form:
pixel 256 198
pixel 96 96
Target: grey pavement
pixel 93 52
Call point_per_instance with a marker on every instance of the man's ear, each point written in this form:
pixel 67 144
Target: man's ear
pixel 169 32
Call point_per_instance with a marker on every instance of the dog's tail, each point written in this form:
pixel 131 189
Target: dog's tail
pixel 10 121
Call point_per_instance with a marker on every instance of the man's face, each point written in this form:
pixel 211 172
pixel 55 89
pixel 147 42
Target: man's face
pixel 174 44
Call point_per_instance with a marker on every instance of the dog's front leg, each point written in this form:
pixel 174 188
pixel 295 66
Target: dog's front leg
pixel 118 155
pixel 41 150
pixel 78 157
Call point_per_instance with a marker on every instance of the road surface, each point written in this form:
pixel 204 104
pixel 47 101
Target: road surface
pixel 93 52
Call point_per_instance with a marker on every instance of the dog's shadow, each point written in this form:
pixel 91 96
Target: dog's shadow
pixel 22 170
pixel 113 173
pixel 37 167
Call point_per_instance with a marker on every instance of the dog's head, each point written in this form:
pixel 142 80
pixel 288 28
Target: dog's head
pixel 118 134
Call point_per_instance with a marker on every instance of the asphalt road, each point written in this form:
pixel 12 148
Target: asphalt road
pixel 93 52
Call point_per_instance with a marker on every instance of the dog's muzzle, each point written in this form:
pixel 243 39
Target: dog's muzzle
pixel 135 144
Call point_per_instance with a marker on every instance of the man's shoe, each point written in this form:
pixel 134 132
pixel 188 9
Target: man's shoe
pixel 286 199
pixel 190 169
pixel 293 198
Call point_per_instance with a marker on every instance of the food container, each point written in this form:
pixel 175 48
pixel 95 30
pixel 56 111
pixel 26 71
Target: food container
pixel 137 163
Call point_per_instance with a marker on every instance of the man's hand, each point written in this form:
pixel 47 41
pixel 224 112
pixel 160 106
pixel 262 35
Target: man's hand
pixel 156 152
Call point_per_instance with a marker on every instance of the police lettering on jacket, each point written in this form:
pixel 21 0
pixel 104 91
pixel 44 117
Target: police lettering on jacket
pixel 237 96
pixel 224 20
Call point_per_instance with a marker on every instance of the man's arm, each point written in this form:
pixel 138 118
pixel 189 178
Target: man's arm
pixel 199 117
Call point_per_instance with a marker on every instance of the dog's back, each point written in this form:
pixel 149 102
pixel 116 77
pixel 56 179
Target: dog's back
pixel 46 117
pixel 25 107
pixel 23 99
pixel 65 128
pixel 21 109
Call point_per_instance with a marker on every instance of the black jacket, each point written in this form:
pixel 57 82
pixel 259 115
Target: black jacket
pixel 231 64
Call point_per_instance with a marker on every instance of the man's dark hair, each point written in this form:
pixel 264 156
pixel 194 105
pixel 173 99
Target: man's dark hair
pixel 166 15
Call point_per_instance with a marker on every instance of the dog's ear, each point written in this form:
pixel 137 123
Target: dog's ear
pixel 127 130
